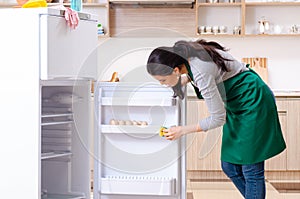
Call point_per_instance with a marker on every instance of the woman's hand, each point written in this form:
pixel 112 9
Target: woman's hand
pixel 175 132
pixel 184 79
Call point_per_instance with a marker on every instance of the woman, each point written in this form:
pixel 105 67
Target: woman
pixel 236 98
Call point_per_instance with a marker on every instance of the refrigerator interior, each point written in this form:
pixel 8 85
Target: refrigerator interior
pixel 65 139
pixel 131 159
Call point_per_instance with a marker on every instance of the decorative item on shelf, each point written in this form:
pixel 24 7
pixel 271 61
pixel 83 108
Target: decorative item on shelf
pixel 76 5
pixel 100 29
pixel 259 65
pixel 35 4
pixel 215 29
pixel 208 29
pixel 237 30
pixel 212 29
pixel 222 29
pixel 264 25
pixel 212 1
pixel 277 29
pixel 201 29
pixel 114 77
pixel 294 29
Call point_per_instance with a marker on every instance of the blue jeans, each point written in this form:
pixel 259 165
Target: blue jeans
pixel 249 179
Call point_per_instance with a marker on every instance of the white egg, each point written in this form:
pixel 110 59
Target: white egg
pixel 144 123
pixel 113 122
pixel 128 122
pixel 121 122
pixel 134 122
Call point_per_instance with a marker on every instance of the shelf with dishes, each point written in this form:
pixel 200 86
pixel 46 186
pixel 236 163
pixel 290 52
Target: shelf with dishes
pixel 245 19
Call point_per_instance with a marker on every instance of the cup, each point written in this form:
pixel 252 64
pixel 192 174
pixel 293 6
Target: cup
pixel 208 29
pixel 222 29
pixel 215 29
pixel 277 29
pixel 201 29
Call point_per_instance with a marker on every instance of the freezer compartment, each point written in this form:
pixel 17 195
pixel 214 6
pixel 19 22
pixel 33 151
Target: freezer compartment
pixel 77 47
pixel 138 185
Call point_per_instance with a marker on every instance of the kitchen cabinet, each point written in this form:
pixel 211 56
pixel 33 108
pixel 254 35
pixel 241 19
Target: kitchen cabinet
pixel 293 135
pixel 204 150
pixel 246 16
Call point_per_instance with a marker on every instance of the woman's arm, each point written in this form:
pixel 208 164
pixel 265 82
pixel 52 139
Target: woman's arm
pixel 176 132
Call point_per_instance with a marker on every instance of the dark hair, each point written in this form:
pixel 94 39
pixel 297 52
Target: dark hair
pixel 179 54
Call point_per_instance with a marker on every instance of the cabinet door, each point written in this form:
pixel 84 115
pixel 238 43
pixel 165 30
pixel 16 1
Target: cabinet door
pixel 203 149
pixel 293 135
pixel 279 162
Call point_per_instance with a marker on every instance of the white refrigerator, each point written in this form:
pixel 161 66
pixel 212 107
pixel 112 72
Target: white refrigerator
pixel 46 105
pixel 132 160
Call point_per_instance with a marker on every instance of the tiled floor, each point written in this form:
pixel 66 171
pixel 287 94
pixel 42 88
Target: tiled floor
pixel 226 190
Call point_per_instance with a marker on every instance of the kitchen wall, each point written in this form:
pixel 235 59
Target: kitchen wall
pixel 128 56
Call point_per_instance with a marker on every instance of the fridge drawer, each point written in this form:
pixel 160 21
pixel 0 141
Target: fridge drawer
pixel 138 185
pixel 67 52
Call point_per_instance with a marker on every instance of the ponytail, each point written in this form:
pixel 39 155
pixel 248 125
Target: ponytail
pixel 202 49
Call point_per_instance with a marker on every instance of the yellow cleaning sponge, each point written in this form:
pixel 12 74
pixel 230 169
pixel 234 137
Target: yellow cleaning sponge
pixel 161 131
pixel 35 4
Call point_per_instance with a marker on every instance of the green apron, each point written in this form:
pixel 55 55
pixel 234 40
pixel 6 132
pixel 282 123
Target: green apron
pixel 252 132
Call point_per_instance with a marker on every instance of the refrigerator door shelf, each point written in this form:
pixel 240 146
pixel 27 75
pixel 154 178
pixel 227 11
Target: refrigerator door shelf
pixel 138 185
pixel 153 130
pixel 132 101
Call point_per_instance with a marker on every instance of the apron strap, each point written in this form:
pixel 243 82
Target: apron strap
pixel 197 91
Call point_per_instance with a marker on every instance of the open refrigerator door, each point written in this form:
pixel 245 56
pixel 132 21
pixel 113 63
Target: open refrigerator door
pixel 131 159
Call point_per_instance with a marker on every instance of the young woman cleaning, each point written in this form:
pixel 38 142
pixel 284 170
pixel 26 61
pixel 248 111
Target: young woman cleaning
pixel 237 98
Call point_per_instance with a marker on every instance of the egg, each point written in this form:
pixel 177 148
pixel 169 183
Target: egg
pixel 121 122
pixel 128 122
pixel 113 122
pixel 144 123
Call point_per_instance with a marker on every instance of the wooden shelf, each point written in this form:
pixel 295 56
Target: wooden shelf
pixel 272 3
pixel 218 4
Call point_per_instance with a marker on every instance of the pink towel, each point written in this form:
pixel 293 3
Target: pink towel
pixel 71 17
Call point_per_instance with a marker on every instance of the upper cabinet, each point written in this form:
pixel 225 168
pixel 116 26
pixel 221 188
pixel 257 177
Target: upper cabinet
pixel 245 18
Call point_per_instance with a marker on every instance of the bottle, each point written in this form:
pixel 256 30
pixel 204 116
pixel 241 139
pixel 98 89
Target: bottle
pixel 76 5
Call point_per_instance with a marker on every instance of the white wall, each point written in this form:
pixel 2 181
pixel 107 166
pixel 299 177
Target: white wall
pixel 128 56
